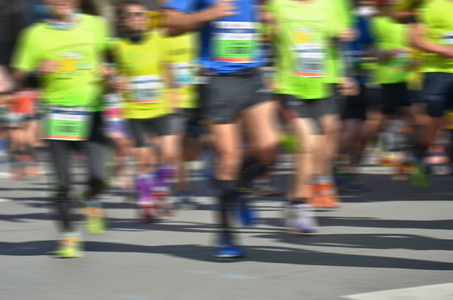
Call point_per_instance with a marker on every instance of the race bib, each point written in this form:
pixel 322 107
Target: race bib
pixel 67 123
pixel 184 74
pixel 448 38
pixel 310 56
pixel 146 89
pixel 401 60
pixel 235 42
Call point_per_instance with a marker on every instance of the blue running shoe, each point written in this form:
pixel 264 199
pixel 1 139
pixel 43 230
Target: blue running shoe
pixel 225 247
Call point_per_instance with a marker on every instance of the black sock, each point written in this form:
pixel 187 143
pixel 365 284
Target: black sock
pixel 225 203
pixel 250 169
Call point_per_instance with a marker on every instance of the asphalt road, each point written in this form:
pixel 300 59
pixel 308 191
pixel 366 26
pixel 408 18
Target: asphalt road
pixel 394 242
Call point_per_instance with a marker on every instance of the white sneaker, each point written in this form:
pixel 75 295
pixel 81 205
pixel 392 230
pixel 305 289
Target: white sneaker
pixel 301 219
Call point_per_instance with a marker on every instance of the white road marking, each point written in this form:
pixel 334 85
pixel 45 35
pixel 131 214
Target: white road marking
pixel 438 292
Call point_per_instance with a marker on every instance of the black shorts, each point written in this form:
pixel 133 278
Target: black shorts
pixel 225 96
pixel 189 122
pixel 355 107
pixel 374 95
pixel 394 96
pixel 438 93
pixel 311 109
pixel 154 126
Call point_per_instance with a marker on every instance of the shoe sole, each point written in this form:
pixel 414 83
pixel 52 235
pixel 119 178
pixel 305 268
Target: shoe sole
pixel 228 256
pixel 68 257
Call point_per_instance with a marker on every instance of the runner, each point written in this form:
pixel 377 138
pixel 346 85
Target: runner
pixel 326 191
pixel 434 35
pixel 230 57
pixel 392 74
pixel 184 70
pixel 303 29
pixel 142 59
pixel 64 55
pixel 354 113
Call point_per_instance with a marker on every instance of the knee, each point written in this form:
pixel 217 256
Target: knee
pixel 229 160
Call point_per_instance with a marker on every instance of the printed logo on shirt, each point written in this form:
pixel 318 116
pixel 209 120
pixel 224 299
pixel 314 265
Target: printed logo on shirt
pixel 72 62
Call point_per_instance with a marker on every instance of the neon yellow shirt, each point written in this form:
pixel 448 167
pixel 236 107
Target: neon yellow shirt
pixel 340 14
pixel 436 16
pixel 182 54
pixel 78 53
pixel 143 65
pixel 390 35
pixel 301 45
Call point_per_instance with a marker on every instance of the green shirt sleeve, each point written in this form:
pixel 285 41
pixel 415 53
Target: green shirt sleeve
pixel 26 56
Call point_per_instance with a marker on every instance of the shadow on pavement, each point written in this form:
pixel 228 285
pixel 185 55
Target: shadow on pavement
pixel 279 255
pixel 325 221
pixel 366 241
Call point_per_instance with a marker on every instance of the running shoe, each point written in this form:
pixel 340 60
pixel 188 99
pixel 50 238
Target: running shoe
pixel 147 212
pixel 419 175
pixel 226 248
pixel 95 218
pixel 299 218
pixel 145 199
pixel 329 195
pixel 69 246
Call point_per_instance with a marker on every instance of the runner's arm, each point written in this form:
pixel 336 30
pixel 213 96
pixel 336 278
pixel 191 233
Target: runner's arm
pixel 419 41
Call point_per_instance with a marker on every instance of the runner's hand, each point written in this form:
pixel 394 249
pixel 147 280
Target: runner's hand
pixel 348 35
pixel 222 9
pixel 348 87
pixel 118 85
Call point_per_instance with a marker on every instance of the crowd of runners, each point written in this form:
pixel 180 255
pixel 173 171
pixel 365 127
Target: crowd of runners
pixel 234 84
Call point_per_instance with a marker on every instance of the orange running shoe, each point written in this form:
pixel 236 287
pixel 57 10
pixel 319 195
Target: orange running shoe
pixel 329 195
pixel 317 199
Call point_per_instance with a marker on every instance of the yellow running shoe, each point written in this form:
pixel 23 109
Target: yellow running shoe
pixel 95 219
pixel 69 246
